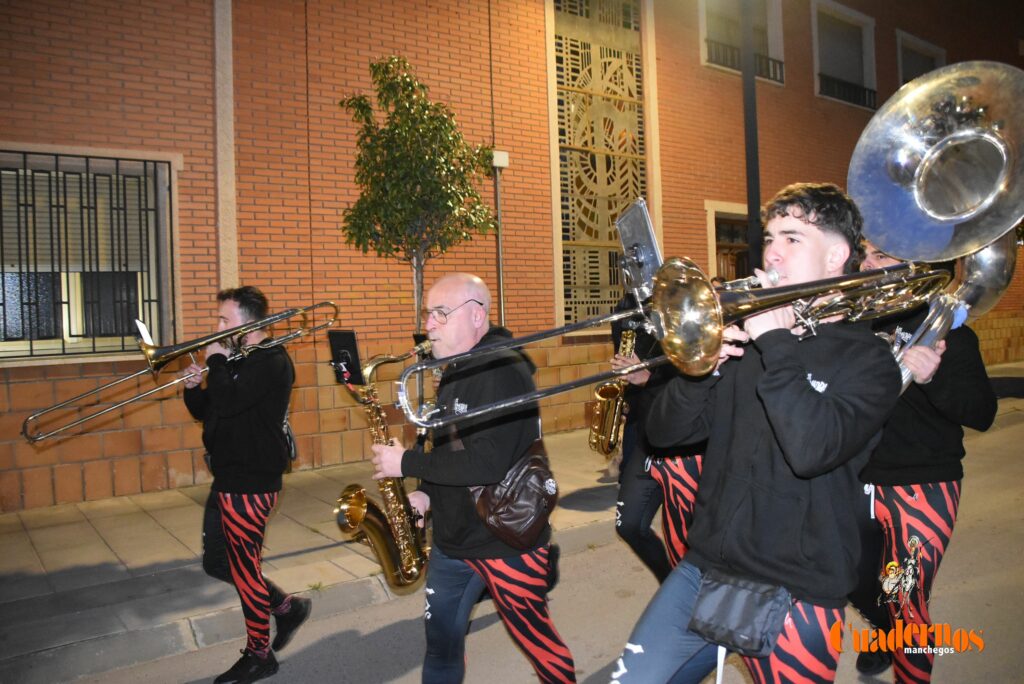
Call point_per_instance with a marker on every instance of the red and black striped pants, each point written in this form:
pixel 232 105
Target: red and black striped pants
pixel 645 484
pixel 917 521
pixel 679 477
pixel 233 531
pixel 662 648
pixel 519 586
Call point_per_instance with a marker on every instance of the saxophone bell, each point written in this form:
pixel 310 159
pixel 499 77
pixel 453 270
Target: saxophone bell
pixel 351 510
pixel 610 410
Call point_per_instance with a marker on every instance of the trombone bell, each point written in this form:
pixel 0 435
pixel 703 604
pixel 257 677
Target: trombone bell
pixel 689 314
pixel 156 357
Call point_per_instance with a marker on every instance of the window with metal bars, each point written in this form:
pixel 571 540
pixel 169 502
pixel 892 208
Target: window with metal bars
pixel 84 251
pixel 845 54
pixel 723 36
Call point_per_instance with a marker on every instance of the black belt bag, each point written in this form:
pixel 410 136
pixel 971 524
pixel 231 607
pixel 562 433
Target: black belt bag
pixel 743 615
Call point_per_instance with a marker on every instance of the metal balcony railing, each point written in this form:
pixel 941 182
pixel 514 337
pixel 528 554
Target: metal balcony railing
pixel 728 56
pixel 830 86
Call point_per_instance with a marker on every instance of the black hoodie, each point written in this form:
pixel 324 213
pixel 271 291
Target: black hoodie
pixel 789 425
pixel 478 451
pixel 242 409
pixel 923 440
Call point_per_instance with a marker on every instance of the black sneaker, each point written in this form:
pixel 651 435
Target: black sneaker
pixel 873 663
pixel 290 622
pixel 249 668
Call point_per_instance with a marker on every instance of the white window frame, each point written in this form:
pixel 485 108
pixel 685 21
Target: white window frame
pixel 713 209
pixel 917 45
pixel 867 33
pixel 776 49
pixel 48 350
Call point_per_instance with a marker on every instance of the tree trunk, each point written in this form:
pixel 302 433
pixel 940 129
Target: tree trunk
pixel 417 285
pixel 417 289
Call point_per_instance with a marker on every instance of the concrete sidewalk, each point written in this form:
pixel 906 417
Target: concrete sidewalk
pixel 91 587
pixel 96 586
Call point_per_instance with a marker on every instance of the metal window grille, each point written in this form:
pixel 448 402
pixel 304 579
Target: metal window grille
pixel 724 36
pixel 84 251
pixel 601 144
pixel 841 58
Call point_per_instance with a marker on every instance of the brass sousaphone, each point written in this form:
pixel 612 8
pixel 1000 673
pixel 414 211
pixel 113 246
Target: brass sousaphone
pixel 937 175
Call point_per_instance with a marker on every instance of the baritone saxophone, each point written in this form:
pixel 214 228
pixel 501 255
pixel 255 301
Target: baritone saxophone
pixel 389 528
pixel 609 412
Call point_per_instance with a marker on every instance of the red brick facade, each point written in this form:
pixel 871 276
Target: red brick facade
pixel 140 77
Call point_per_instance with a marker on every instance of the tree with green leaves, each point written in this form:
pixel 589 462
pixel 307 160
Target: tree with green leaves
pixel 416 173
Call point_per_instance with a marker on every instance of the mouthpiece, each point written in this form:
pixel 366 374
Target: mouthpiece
pixel 753 281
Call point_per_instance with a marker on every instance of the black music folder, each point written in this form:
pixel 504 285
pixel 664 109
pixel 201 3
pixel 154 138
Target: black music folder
pixel 345 357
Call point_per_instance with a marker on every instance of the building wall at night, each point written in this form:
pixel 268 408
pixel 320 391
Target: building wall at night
pixel 138 80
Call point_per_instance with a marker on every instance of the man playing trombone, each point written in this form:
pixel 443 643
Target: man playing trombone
pixel 790 421
pixel 467 557
pixel 652 478
pixel 243 409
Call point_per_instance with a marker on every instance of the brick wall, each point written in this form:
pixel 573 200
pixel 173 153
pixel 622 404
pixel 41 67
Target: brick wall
pixel 116 76
pixel 139 76
pixel 1001 335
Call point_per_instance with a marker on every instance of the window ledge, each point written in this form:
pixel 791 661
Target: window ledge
pixel 24 362
pixel 846 102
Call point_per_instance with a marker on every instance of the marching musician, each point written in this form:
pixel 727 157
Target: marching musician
pixel 466 558
pixel 651 478
pixel 913 479
pixel 790 421
pixel 243 409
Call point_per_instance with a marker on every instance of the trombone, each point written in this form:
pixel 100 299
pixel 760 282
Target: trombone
pixel 158 357
pixel 688 315
pixel 424 419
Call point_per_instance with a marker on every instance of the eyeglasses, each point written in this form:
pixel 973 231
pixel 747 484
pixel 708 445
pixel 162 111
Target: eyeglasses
pixel 441 316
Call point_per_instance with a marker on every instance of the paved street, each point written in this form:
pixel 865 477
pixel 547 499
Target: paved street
pixel 604 589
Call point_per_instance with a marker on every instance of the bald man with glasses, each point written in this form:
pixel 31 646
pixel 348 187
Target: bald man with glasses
pixel 466 558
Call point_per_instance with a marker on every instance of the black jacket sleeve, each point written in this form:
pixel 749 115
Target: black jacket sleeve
pixel 417 453
pixel 682 412
pixel 819 431
pixel 195 401
pixel 960 389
